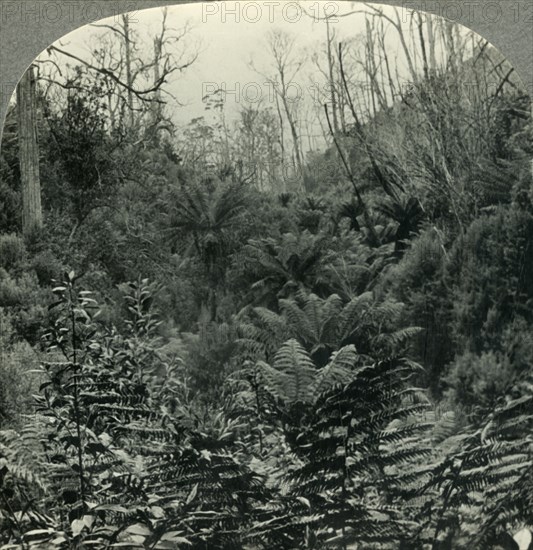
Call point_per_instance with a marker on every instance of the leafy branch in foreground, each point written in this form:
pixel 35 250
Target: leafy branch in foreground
pixel 355 438
pixel 121 470
pixel 485 474
pixel 351 427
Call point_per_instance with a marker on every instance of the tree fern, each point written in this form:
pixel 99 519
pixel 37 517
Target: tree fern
pixel 345 453
pixel 291 375
pixel 277 268
pixel 324 325
pixel 485 472
pixel 339 370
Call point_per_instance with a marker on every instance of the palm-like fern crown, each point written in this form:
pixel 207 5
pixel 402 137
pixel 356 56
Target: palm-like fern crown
pixel 278 267
pixel 202 215
pixel 347 424
pixel 293 377
pixel 325 325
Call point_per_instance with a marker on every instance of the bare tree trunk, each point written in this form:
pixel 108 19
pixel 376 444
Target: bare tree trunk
pixel 371 68
pixel 295 138
pixel 384 49
pixel 281 46
pixel 281 138
pixel 423 46
pixel 431 44
pixel 129 78
pixel 331 79
pixel 29 153
pixel 157 114
pixel 450 42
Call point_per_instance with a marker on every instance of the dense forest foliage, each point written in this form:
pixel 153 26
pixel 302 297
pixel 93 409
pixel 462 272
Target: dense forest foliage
pixel 200 349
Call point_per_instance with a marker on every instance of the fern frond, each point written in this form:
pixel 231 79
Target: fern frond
pixel 293 372
pixel 339 370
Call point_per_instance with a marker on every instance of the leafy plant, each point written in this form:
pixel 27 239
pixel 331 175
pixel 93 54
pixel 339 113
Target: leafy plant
pixel 325 325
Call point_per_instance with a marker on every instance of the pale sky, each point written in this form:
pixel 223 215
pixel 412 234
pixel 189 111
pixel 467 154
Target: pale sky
pixel 231 34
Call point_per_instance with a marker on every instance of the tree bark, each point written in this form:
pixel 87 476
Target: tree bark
pixel 129 78
pixel 29 153
pixel 431 44
pixel 331 79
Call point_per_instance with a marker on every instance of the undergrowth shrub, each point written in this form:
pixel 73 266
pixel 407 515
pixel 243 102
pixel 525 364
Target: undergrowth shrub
pixel 12 251
pixel 478 382
pixel 118 467
pixel 295 454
